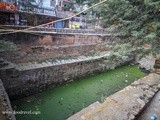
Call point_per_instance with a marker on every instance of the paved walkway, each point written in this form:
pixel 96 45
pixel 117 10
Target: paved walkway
pixel 152 108
pixel 88 34
pixel 29 65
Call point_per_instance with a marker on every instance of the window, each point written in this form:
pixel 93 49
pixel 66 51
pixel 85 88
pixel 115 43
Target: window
pixel 60 3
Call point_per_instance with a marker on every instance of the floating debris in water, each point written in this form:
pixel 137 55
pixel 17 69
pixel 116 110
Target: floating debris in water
pixel 36 113
pixel 69 108
pixel 60 103
pixel 135 79
pixel 61 98
pixel 153 117
pixel 117 76
pixel 28 101
pixel 101 81
pixel 126 80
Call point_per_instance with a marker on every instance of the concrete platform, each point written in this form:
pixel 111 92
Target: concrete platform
pixel 152 108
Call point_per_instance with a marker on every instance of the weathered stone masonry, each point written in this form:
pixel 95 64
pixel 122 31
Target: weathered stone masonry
pixel 50 44
pixel 23 82
pixel 38 48
pixel 51 39
pixel 5 105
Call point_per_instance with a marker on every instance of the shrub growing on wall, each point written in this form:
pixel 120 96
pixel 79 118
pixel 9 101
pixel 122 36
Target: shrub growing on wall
pixel 7 46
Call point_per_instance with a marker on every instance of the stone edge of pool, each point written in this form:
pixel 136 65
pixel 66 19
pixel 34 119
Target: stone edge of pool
pixel 126 104
pixel 5 105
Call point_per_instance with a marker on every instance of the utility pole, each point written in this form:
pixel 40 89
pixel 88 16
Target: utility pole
pixel 56 9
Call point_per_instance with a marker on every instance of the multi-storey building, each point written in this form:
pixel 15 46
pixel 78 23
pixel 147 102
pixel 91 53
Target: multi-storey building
pixel 24 12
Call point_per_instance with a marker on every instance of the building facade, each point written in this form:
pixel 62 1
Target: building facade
pixel 24 12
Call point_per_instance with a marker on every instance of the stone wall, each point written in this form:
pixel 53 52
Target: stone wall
pixel 44 45
pixel 41 53
pixel 126 104
pixel 51 39
pixel 28 80
pixel 50 46
pixel 5 105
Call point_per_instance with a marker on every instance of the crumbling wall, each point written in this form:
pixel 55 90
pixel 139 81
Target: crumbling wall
pixel 5 105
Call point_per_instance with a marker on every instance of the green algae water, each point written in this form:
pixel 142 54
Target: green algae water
pixel 62 102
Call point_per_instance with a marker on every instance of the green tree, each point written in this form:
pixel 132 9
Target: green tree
pixel 139 20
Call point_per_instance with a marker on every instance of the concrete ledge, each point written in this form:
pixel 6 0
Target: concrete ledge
pixel 125 104
pixel 5 105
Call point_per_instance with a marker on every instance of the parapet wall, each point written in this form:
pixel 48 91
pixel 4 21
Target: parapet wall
pixel 30 79
pixel 126 104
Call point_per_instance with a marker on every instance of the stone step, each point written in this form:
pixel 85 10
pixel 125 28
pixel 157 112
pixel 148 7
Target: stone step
pixel 80 114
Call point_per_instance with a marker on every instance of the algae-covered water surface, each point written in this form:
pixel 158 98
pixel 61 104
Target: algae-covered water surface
pixel 62 102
